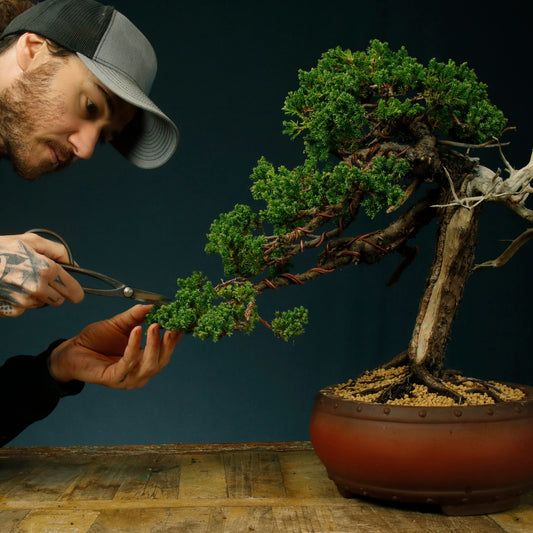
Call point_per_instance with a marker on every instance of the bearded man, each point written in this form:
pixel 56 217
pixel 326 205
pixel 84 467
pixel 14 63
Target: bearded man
pixel 72 73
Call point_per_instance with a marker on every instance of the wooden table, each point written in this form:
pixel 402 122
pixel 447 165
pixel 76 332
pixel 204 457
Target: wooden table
pixel 233 488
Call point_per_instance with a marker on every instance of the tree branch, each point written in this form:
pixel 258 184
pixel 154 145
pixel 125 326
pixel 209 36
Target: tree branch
pixel 488 144
pixel 512 192
pixel 509 251
pixel 369 248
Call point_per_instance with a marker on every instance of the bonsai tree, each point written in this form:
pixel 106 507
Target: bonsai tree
pixel 381 132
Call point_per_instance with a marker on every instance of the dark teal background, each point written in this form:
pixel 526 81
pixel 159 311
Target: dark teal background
pixel 224 71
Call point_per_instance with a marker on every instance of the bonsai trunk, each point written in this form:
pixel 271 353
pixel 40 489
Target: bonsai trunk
pixel 454 256
pixel 422 363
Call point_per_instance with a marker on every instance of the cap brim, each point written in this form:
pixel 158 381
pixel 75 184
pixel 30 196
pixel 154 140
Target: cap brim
pixel 151 139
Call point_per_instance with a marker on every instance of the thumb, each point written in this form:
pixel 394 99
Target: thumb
pixel 134 316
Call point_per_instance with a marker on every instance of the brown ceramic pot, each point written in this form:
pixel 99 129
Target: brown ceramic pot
pixel 469 460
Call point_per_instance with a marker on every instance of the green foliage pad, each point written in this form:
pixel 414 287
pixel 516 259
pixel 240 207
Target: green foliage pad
pixel 346 111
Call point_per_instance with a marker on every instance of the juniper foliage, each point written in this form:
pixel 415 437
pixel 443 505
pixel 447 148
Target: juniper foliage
pixel 344 108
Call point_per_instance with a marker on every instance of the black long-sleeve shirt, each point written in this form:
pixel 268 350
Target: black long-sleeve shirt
pixel 28 392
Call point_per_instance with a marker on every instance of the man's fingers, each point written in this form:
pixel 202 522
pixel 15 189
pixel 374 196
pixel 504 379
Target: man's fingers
pixel 30 274
pixel 7 309
pixel 126 366
pixel 67 285
pixel 131 317
pixel 102 353
pixel 57 277
pixel 137 371
pixel 133 348
pixel 152 350
pixel 55 286
pixel 51 249
pixel 139 312
pixel 53 297
pixel 170 339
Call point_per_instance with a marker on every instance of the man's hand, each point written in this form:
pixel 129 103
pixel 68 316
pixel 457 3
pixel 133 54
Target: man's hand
pixel 30 276
pixel 109 352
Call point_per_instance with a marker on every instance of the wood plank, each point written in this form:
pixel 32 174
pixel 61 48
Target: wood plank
pixel 305 476
pixel 150 476
pixel 217 520
pixel 240 519
pixel 10 520
pixel 303 519
pixel 102 504
pixel 372 517
pixel 152 520
pixel 519 519
pixel 44 481
pixel 14 467
pixel 57 522
pixel 13 472
pixel 178 449
pixel 100 480
pixel 191 520
pixel 254 475
pixel 202 477
pixel 210 488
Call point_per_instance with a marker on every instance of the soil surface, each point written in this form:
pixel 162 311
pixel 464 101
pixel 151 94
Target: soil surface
pixel 370 387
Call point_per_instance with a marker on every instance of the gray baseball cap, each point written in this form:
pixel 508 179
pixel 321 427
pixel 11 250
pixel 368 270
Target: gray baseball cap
pixel 120 56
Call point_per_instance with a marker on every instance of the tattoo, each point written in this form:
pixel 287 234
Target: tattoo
pixel 60 281
pixel 8 294
pixel 32 274
pixel 6 308
pixel 19 272
pixel 124 378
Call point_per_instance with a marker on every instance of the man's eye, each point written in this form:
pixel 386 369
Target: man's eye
pixel 91 107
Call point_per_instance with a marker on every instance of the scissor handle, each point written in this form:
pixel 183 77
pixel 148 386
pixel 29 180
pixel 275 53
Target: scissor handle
pixel 119 288
pixel 56 236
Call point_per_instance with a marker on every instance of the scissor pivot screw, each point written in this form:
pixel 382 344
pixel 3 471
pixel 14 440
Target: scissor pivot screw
pixel 128 292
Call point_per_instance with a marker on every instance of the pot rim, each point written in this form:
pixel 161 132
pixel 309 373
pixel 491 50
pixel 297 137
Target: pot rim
pixel 515 410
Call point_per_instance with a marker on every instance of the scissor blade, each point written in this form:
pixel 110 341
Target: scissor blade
pixel 118 289
pixel 149 297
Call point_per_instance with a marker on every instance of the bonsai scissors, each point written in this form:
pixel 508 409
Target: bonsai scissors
pixel 118 288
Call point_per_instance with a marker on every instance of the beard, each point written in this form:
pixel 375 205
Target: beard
pixel 25 107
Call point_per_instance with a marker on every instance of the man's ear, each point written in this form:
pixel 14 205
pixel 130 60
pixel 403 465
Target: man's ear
pixel 29 48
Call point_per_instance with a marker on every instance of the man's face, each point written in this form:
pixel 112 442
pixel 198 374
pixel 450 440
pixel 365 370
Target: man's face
pixel 56 113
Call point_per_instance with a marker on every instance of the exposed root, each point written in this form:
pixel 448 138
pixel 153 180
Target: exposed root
pixel 400 360
pixel 435 385
pixel 404 385
pixel 374 386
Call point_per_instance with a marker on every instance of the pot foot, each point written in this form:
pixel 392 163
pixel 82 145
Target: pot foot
pixel 344 492
pixel 477 508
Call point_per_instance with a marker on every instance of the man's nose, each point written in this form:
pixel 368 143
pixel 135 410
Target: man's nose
pixel 84 140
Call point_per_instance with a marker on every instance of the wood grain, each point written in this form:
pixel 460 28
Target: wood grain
pixel 233 488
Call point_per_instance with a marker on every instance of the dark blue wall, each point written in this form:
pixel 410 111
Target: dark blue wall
pixel 224 70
